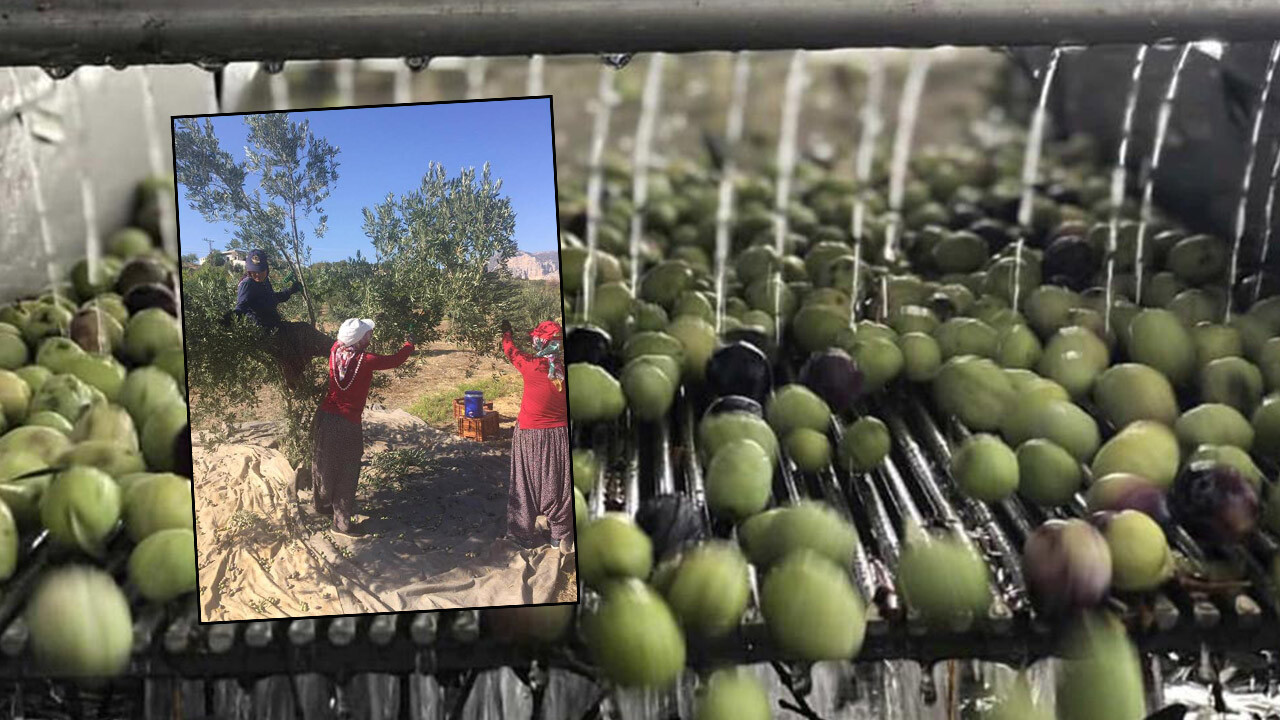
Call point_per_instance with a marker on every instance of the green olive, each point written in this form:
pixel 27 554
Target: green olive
pixel 1047 474
pixel 812 609
pixel 985 468
pixel 739 479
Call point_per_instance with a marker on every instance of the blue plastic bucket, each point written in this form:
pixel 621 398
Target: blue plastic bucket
pixel 473 403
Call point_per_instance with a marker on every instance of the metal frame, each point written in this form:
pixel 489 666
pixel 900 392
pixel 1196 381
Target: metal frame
pixel 89 32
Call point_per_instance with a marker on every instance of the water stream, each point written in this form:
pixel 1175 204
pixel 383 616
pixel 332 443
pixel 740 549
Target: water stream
pixel 402 85
pixel 1268 214
pixel 477 71
pixel 1031 165
pixel 728 175
pixel 1264 96
pixel 345 80
pixel 650 101
pixel 277 85
pixel 28 143
pixel 1269 208
pixel 537 71
pixel 88 194
pixel 1153 166
pixel 155 158
pixel 872 124
pixel 908 111
pixel 1118 177
pixel 595 182
pixel 792 99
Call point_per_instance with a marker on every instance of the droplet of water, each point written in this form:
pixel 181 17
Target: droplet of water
pixel 928 688
pixel 118 64
pixel 211 64
pixel 273 67
pixel 417 63
pixel 60 72
pixel 45 126
pixel 1212 48
pixel 617 61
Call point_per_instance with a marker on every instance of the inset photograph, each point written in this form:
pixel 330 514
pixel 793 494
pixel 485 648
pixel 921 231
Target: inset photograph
pixel 372 318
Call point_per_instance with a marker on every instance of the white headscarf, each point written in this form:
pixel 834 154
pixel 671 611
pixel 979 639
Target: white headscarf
pixel 354 330
pixel 352 336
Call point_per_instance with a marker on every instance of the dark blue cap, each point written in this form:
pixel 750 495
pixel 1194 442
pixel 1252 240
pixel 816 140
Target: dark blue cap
pixel 256 261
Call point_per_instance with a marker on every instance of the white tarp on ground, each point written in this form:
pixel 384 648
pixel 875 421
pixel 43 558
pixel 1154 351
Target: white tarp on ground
pixel 430 544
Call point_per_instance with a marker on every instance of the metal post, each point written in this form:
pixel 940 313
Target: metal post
pixel 79 32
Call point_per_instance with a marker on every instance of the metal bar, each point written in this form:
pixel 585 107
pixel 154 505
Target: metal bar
pixel 90 32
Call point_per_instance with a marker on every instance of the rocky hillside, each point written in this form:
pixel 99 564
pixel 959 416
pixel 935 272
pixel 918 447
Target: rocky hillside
pixel 534 266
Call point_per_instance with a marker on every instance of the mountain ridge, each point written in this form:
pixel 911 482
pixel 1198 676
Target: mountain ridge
pixel 533 266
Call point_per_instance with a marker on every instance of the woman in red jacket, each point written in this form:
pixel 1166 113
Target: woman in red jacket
pixel 541 483
pixel 339 439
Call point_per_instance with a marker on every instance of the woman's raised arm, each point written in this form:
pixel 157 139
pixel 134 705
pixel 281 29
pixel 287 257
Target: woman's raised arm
pixel 387 362
pixel 521 360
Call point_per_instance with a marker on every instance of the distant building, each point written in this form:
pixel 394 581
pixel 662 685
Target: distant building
pixel 235 258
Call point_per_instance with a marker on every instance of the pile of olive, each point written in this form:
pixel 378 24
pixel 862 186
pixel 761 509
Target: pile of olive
pixel 1154 411
pixel 94 426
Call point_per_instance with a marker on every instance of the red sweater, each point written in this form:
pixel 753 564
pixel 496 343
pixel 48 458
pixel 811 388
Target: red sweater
pixel 349 403
pixel 543 405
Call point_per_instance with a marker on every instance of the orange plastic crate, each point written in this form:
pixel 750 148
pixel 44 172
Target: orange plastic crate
pixel 480 429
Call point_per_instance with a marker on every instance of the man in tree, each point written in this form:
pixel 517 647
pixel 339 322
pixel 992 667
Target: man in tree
pixel 292 343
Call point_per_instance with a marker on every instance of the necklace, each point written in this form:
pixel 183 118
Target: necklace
pixel 350 378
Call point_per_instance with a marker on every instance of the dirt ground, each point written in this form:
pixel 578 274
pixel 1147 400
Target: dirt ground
pixel 432 529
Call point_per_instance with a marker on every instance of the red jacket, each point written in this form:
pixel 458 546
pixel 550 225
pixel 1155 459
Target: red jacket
pixel 349 403
pixel 543 405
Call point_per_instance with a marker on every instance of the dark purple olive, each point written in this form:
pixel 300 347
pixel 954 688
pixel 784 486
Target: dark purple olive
pixel 588 344
pixel 671 522
pixel 751 335
pixel 963 215
pixel 1126 491
pixel 94 330
pixel 1001 205
pixel 996 233
pixel 943 306
pixel 1215 502
pixel 577 224
pixel 1247 289
pixel 1071 257
pixel 1067 565
pixel 835 377
pixel 740 368
pixel 1062 194
pixel 1068 228
pixel 182 464
pixel 734 403
pixel 151 295
pixel 141 271
pixel 1158 246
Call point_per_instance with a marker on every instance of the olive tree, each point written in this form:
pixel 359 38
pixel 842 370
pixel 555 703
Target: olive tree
pixel 430 273
pixel 295 172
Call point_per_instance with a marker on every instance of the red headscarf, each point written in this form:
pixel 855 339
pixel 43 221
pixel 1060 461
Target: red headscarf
pixel 546 339
pixel 548 330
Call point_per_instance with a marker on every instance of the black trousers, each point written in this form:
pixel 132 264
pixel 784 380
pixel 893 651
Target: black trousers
pixel 293 344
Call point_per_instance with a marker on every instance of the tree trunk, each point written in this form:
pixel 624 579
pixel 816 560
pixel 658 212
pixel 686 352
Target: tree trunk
pixel 297 266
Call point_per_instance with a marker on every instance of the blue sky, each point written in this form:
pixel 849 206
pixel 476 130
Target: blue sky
pixel 388 149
